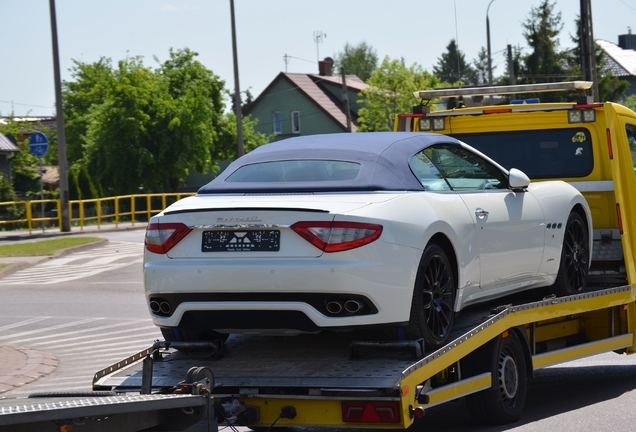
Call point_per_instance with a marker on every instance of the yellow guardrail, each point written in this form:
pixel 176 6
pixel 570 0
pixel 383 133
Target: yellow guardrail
pixel 117 209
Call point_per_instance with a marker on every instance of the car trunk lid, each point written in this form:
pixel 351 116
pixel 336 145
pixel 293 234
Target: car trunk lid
pixel 255 226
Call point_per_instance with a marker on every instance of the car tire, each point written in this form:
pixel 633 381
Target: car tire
pixel 504 401
pixel 182 335
pixel 432 308
pixel 574 265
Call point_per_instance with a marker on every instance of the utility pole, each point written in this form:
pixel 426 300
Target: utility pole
pixel 240 149
pixel 59 117
pixel 286 60
pixel 588 48
pixel 345 97
pixel 511 69
pixel 489 51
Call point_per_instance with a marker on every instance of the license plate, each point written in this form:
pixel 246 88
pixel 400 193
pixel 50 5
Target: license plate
pixel 241 241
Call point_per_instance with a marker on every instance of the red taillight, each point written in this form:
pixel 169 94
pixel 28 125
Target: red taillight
pixel 609 144
pixel 161 237
pixel 370 412
pixel 592 105
pixel 337 236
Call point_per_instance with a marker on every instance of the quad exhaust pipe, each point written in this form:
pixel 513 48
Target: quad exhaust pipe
pixel 160 307
pixel 350 307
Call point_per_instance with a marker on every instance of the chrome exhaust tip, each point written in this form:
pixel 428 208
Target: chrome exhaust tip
pixel 165 307
pixel 154 306
pixel 353 306
pixel 333 307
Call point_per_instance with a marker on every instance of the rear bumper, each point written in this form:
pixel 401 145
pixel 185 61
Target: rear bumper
pixel 236 292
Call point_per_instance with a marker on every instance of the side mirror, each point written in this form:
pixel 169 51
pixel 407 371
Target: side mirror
pixel 517 179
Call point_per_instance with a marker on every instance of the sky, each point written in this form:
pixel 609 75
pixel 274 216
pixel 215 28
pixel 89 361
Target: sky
pixel 417 31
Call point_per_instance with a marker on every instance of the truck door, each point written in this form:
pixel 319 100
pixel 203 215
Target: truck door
pixel 622 160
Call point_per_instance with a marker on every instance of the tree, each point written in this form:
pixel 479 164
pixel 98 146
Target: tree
pixel 246 101
pixel 141 128
pixel 80 183
pixel 481 67
pixel 390 92
pixel 545 63
pixel 24 166
pixel 452 66
pixel 360 60
pixel 92 84
pixel 630 102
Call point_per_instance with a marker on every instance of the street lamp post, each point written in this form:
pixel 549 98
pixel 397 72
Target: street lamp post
pixel 489 52
pixel 240 148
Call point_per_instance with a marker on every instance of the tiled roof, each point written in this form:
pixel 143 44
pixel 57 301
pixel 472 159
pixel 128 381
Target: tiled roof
pixel 6 145
pixel 312 86
pixel 620 62
pixel 353 82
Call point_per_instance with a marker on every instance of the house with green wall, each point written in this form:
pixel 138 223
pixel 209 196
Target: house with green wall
pixel 295 104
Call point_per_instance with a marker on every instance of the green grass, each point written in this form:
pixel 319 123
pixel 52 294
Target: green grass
pixel 44 247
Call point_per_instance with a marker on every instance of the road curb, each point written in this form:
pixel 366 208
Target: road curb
pixel 14 267
pixel 7 236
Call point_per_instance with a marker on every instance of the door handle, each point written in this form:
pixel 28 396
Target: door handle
pixel 481 213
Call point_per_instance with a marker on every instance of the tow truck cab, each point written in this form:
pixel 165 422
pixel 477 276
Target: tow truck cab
pixel 590 145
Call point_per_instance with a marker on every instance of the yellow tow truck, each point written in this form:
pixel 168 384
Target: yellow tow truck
pixel 351 380
pixel 346 380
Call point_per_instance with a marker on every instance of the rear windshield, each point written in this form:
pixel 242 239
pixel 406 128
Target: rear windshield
pixel 295 171
pixel 540 154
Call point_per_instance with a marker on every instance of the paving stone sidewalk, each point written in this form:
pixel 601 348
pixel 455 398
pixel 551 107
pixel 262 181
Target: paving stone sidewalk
pixel 20 366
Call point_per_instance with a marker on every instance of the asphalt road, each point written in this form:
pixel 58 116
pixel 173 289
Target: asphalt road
pixel 89 322
pixel 87 309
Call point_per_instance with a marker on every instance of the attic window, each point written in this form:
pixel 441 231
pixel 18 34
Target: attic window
pixel 295 122
pixel 277 121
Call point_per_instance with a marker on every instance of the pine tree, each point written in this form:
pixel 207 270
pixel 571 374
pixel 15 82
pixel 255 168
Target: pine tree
pixel 545 63
pixel 452 66
pixel 481 66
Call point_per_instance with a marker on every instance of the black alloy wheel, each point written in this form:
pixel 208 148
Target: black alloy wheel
pixel 432 309
pixel 575 258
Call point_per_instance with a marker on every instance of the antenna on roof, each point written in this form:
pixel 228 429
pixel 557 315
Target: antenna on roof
pixel 318 37
pixel 286 60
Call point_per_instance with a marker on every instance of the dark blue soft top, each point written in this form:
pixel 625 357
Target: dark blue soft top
pixel 383 159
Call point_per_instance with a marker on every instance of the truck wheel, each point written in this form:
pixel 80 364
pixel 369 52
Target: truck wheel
pixel 503 402
pixel 574 265
pixel 432 309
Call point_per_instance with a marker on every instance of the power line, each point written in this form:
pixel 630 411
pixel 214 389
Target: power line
pixel 627 5
pixel 22 104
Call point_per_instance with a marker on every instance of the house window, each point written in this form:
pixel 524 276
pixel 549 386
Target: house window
pixel 277 120
pixel 295 122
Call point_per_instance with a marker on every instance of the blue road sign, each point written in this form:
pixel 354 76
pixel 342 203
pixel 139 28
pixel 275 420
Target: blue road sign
pixel 38 144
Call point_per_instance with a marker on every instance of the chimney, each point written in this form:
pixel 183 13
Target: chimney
pixel 627 41
pixel 324 67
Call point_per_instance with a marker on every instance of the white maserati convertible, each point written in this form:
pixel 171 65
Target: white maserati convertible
pixel 345 231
